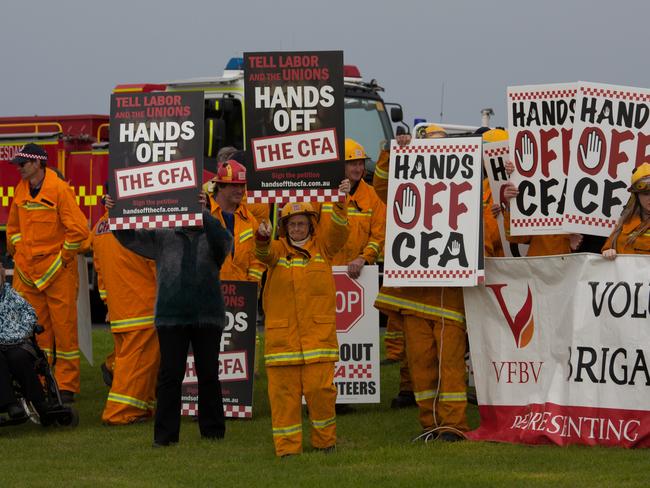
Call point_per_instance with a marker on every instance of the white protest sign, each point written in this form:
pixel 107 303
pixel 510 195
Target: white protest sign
pixel 611 138
pixel 434 213
pixel 540 119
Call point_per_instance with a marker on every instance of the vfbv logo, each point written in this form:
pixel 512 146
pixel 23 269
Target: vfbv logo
pixel 522 325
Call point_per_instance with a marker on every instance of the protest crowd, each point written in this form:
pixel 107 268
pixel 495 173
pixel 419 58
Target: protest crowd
pixel 163 294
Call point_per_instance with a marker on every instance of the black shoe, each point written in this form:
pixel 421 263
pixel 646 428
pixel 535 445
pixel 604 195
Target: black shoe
pixel 449 436
pixel 15 411
pixel 404 399
pixel 387 361
pixel 107 375
pixel 343 409
pixel 66 396
pixel 327 450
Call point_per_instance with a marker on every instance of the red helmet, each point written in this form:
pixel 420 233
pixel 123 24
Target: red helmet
pixel 231 172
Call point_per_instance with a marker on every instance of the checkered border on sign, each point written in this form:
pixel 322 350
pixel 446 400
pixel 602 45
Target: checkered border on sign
pixel 617 94
pixel 443 148
pixel 231 411
pixel 597 221
pixel 284 196
pixel 537 222
pixel 156 221
pixel 496 152
pixel 360 371
pixel 542 95
pixel 429 273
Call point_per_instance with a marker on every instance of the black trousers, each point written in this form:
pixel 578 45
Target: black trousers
pixel 17 363
pixel 174 342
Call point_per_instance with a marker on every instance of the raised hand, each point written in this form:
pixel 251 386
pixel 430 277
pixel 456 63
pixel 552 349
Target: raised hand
pixel 591 154
pixel 264 229
pixel 344 187
pixel 407 210
pixel 526 156
pixel 454 248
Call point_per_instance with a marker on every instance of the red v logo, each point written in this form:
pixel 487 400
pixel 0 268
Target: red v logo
pixel 523 325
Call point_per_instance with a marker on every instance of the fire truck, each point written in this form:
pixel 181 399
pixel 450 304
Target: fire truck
pixel 77 145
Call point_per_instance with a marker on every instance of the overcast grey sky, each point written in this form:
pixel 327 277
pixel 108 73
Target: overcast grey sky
pixel 65 56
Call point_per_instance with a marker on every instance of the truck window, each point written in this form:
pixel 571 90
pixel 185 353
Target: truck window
pixel 367 123
pixel 223 127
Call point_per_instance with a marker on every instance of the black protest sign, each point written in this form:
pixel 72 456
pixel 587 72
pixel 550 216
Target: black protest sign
pixel 236 354
pixel 540 119
pixel 156 159
pixel 611 138
pixel 294 125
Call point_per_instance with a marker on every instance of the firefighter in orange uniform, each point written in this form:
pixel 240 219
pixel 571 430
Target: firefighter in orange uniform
pixel 366 215
pixel 46 229
pixel 227 207
pixel 632 232
pixel 434 330
pixel 127 284
pixel 299 302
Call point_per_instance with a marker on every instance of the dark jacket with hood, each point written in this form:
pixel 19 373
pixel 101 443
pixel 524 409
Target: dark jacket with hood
pixel 188 261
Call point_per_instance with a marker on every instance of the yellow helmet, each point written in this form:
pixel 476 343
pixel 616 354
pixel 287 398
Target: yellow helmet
pixel 433 130
pixel 640 179
pixel 354 150
pixel 296 208
pixel 495 135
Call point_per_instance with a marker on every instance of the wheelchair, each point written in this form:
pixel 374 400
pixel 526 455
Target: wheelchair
pixel 56 412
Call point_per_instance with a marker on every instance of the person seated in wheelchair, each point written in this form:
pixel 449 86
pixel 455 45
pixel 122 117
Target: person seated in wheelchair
pixel 18 356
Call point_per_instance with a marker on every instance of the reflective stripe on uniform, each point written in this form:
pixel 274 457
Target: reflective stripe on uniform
pixel 245 235
pixel 51 271
pixel 424 395
pixel 132 322
pixel 15 238
pixel 339 220
pixel 103 294
pixel 71 246
pixel 321 424
pixel 374 246
pixel 285 357
pixel 127 400
pixel 255 273
pixel 68 354
pixel 290 430
pixel 299 262
pixel 455 396
pixel 380 173
pixel 36 206
pixel 394 335
pixel 23 278
pixel 420 307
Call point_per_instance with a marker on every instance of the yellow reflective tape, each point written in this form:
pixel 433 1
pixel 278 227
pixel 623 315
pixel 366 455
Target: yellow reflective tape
pixel 36 206
pixel 103 294
pixel 51 271
pixel 255 273
pixel 424 395
pixel 394 335
pixel 128 400
pixel 339 220
pixel 23 277
pixel 290 430
pixel 245 235
pixel 381 173
pixel 68 354
pixel 321 424
pixel 71 245
pixel 420 307
pixel 15 238
pixel 457 396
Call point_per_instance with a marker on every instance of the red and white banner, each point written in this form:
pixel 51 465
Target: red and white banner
pixel 356 374
pixel 540 120
pixel 560 348
pixel 434 213
pixel 611 137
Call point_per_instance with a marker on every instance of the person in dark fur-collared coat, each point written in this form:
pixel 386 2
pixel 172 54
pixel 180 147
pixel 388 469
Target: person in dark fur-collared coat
pixel 189 309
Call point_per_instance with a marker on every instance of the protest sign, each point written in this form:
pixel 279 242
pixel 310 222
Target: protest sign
pixel 356 374
pixel 611 138
pixel 156 159
pixel 540 119
pixel 559 350
pixel 434 213
pixel 294 125
pixel 236 356
pixel 495 157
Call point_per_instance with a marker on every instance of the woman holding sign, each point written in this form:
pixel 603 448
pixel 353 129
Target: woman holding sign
pixel 632 232
pixel 299 302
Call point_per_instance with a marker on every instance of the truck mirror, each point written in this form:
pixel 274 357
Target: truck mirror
pixel 396 114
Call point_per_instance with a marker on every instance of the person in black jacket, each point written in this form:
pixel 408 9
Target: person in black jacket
pixel 189 310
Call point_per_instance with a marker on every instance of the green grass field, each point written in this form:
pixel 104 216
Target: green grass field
pixel 374 449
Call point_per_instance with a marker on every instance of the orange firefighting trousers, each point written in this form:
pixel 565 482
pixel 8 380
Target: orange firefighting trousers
pixel 56 309
pixel 396 348
pixel 133 393
pixel 287 384
pixel 436 357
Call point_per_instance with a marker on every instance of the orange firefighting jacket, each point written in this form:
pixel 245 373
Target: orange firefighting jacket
pixel 300 296
pixel 46 232
pixel 127 282
pixel 547 245
pixel 367 222
pixel 641 245
pixel 380 178
pixel 241 264
pixel 491 238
